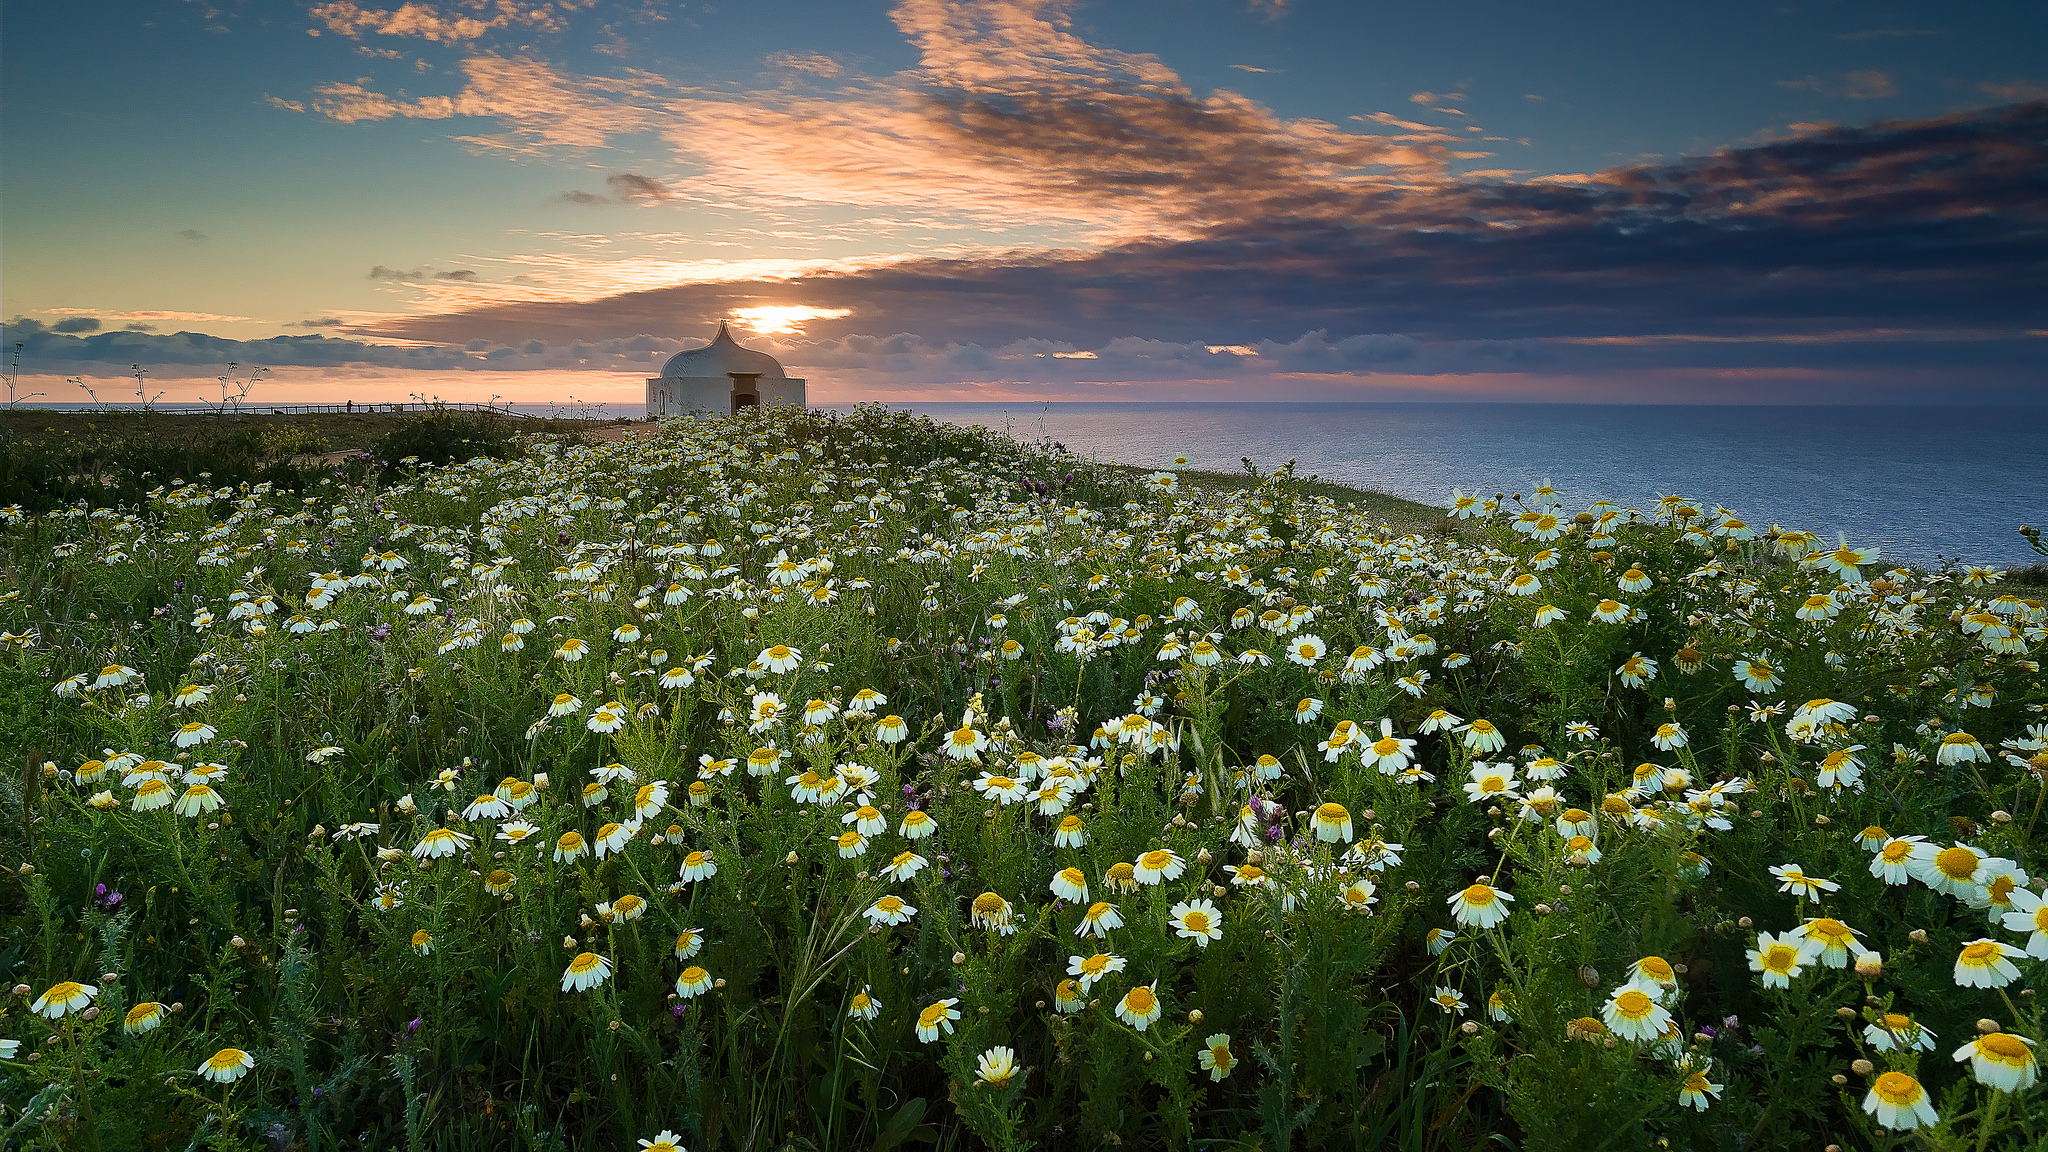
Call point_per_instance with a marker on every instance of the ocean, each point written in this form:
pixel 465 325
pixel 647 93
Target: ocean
pixel 1919 483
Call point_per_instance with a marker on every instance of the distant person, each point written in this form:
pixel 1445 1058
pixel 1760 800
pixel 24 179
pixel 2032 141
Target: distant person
pixel 351 405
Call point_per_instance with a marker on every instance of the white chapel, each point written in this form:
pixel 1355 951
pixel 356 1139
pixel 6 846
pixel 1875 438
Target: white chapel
pixel 720 379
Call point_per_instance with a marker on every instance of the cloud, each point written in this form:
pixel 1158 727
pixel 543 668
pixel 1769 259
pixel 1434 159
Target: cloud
pixel 1865 84
pixel 2014 90
pixel 1903 243
pixel 77 324
pixel 50 349
pixel 1008 120
pixel 628 186
pixel 811 62
pixel 425 22
pixel 147 314
pixel 542 108
pixel 1249 68
pixel 1868 84
pixel 405 276
pixel 194 235
pixel 1888 34
pixel 1435 97
pixel 321 322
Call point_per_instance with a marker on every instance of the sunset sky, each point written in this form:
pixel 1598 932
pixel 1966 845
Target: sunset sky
pixel 1118 200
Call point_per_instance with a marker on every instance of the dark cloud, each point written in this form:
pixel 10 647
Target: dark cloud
pixel 407 276
pixel 47 349
pixel 77 324
pixel 321 322
pixel 194 235
pixel 626 187
pixel 1885 244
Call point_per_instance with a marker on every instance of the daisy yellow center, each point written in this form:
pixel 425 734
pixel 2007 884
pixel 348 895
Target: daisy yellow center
pixel 1479 895
pixel 778 652
pixel 915 819
pixel 2005 1048
pixel 1781 958
pixel 988 904
pixel 1633 1004
pixel 1576 816
pixel 931 1016
pixel 890 904
pixel 693 859
pixel 1656 968
pixel 1898 1089
pixel 1896 852
pixel 1196 921
pixel 1956 863
pixel 1140 1001
pixel 1072 876
pixel 584 962
pixel 1095 965
pixel 225 1059
pixel 849 839
pixel 1219 1054
pixel 1615 806
pixel 1100 908
pixel 1494 784
pixel 1981 954
pixel 1697 1082
pixel 2000 889
pixel 1156 859
pixel 694 975
pixel 1332 814
pixel 1898 1023
pixel 998 783
pixel 1958 738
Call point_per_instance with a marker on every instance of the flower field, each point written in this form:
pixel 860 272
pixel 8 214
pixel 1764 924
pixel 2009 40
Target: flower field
pixel 833 782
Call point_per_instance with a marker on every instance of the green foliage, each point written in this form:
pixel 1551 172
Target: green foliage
pixel 372 660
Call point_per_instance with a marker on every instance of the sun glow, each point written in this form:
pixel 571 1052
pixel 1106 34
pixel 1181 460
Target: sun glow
pixel 785 318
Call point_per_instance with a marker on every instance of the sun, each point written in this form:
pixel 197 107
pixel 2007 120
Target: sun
pixel 781 318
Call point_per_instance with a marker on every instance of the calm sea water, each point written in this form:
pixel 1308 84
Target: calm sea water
pixel 1917 482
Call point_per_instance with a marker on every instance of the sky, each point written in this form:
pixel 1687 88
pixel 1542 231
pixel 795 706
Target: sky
pixel 1590 201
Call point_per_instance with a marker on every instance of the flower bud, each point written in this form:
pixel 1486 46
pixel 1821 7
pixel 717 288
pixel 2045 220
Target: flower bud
pixel 1987 1026
pixel 237 942
pixel 21 989
pixel 177 1007
pixel 1917 935
pixel 92 1013
pixel 2001 817
pixel 1846 1013
pixel 568 942
pixel 1863 1067
pixel 1870 965
pixel 959 957
pixel 1469 1028
pixel 1744 922
pixel 1195 1016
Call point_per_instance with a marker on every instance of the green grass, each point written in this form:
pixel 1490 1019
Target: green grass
pixel 384 647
